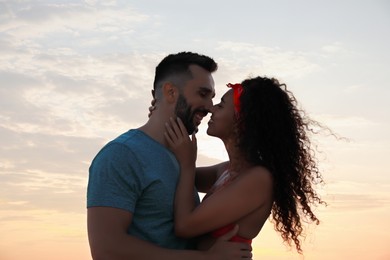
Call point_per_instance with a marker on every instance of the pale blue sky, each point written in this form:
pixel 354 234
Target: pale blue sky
pixel 74 74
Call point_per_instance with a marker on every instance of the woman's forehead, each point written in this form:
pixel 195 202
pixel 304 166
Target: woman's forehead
pixel 227 95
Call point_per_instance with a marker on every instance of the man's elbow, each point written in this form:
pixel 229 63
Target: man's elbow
pixel 100 254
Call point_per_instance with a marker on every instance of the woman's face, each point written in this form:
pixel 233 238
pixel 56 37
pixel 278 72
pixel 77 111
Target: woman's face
pixel 222 118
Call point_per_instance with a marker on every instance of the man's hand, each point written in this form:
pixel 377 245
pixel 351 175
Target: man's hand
pixel 223 249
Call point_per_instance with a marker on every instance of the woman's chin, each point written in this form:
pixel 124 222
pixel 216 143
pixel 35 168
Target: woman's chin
pixel 210 133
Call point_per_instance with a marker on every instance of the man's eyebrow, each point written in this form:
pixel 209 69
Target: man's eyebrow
pixel 208 90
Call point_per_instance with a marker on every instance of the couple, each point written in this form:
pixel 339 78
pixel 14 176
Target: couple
pixel 142 193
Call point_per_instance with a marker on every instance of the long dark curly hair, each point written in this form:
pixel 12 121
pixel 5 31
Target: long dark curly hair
pixel 274 132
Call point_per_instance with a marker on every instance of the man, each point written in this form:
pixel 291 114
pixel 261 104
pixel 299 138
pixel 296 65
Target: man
pixel 132 180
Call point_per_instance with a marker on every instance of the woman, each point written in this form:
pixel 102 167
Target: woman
pixel 271 168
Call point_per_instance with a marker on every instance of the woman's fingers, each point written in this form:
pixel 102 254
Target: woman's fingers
pixel 169 139
pixel 183 129
pixel 171 132
pixel 176 127
pixel 177 135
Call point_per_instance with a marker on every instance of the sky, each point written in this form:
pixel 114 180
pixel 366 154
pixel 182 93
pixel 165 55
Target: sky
pixel 76 74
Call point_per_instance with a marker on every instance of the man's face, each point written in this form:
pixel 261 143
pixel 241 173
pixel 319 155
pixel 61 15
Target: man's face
pixel 196 100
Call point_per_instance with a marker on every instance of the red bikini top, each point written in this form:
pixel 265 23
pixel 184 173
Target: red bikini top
pixel 223 230
pixel 222 181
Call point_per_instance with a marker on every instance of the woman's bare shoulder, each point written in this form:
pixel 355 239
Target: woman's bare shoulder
pixel 257 174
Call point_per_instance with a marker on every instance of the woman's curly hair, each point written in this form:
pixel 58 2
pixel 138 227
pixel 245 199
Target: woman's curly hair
pixel 273 132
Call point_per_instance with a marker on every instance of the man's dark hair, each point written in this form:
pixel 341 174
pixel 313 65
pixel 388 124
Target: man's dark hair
pixel 175 68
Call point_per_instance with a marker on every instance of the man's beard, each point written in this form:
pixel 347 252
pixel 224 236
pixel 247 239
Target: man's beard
pixel 183 111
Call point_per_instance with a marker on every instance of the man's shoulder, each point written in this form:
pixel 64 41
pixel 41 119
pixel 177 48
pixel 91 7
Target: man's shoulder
pixel 126 137
pixel 129 140
pixel 117 146
pixel 136 143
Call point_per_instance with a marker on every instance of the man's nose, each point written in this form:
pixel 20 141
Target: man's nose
pixel 209 105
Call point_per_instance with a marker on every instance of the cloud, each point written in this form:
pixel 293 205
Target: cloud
pixel 356 202
pixel 29 20
pixel 42 188
pixel 62 100
pixel 356 196
pixel 55 153
pixel 73 95
pixel 347 121
pixel 270 61
pixel 333 48
pixel 50 87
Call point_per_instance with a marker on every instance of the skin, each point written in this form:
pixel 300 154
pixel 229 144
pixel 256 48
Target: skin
pixel 249 194
pixel 107 226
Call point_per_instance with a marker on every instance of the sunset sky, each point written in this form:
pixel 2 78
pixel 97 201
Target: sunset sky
pixel 76 74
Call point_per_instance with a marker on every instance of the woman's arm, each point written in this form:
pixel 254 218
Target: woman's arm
pixel 249 192
pixel 205 177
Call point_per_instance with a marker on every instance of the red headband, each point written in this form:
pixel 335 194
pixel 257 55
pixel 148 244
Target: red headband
pixel 237 90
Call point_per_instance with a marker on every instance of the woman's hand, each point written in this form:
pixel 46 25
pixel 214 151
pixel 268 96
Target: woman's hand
pixel 184 148
pixel 152 107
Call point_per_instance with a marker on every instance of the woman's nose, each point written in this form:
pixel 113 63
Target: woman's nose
pixel 212 109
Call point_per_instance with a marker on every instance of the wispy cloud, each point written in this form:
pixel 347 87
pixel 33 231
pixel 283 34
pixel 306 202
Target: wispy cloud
pixel 270 61
pixel 356 196
pixel 34 19
pixel 333 48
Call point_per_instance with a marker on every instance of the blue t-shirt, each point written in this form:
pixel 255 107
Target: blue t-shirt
pixel 138 174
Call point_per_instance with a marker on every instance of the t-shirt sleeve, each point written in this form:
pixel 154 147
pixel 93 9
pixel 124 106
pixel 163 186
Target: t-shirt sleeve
pixel 114 178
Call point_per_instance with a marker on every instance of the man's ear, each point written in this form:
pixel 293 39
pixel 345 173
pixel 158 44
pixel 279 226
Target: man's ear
pixel 170 92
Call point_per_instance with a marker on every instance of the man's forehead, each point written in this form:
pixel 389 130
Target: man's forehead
pixel 203 79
